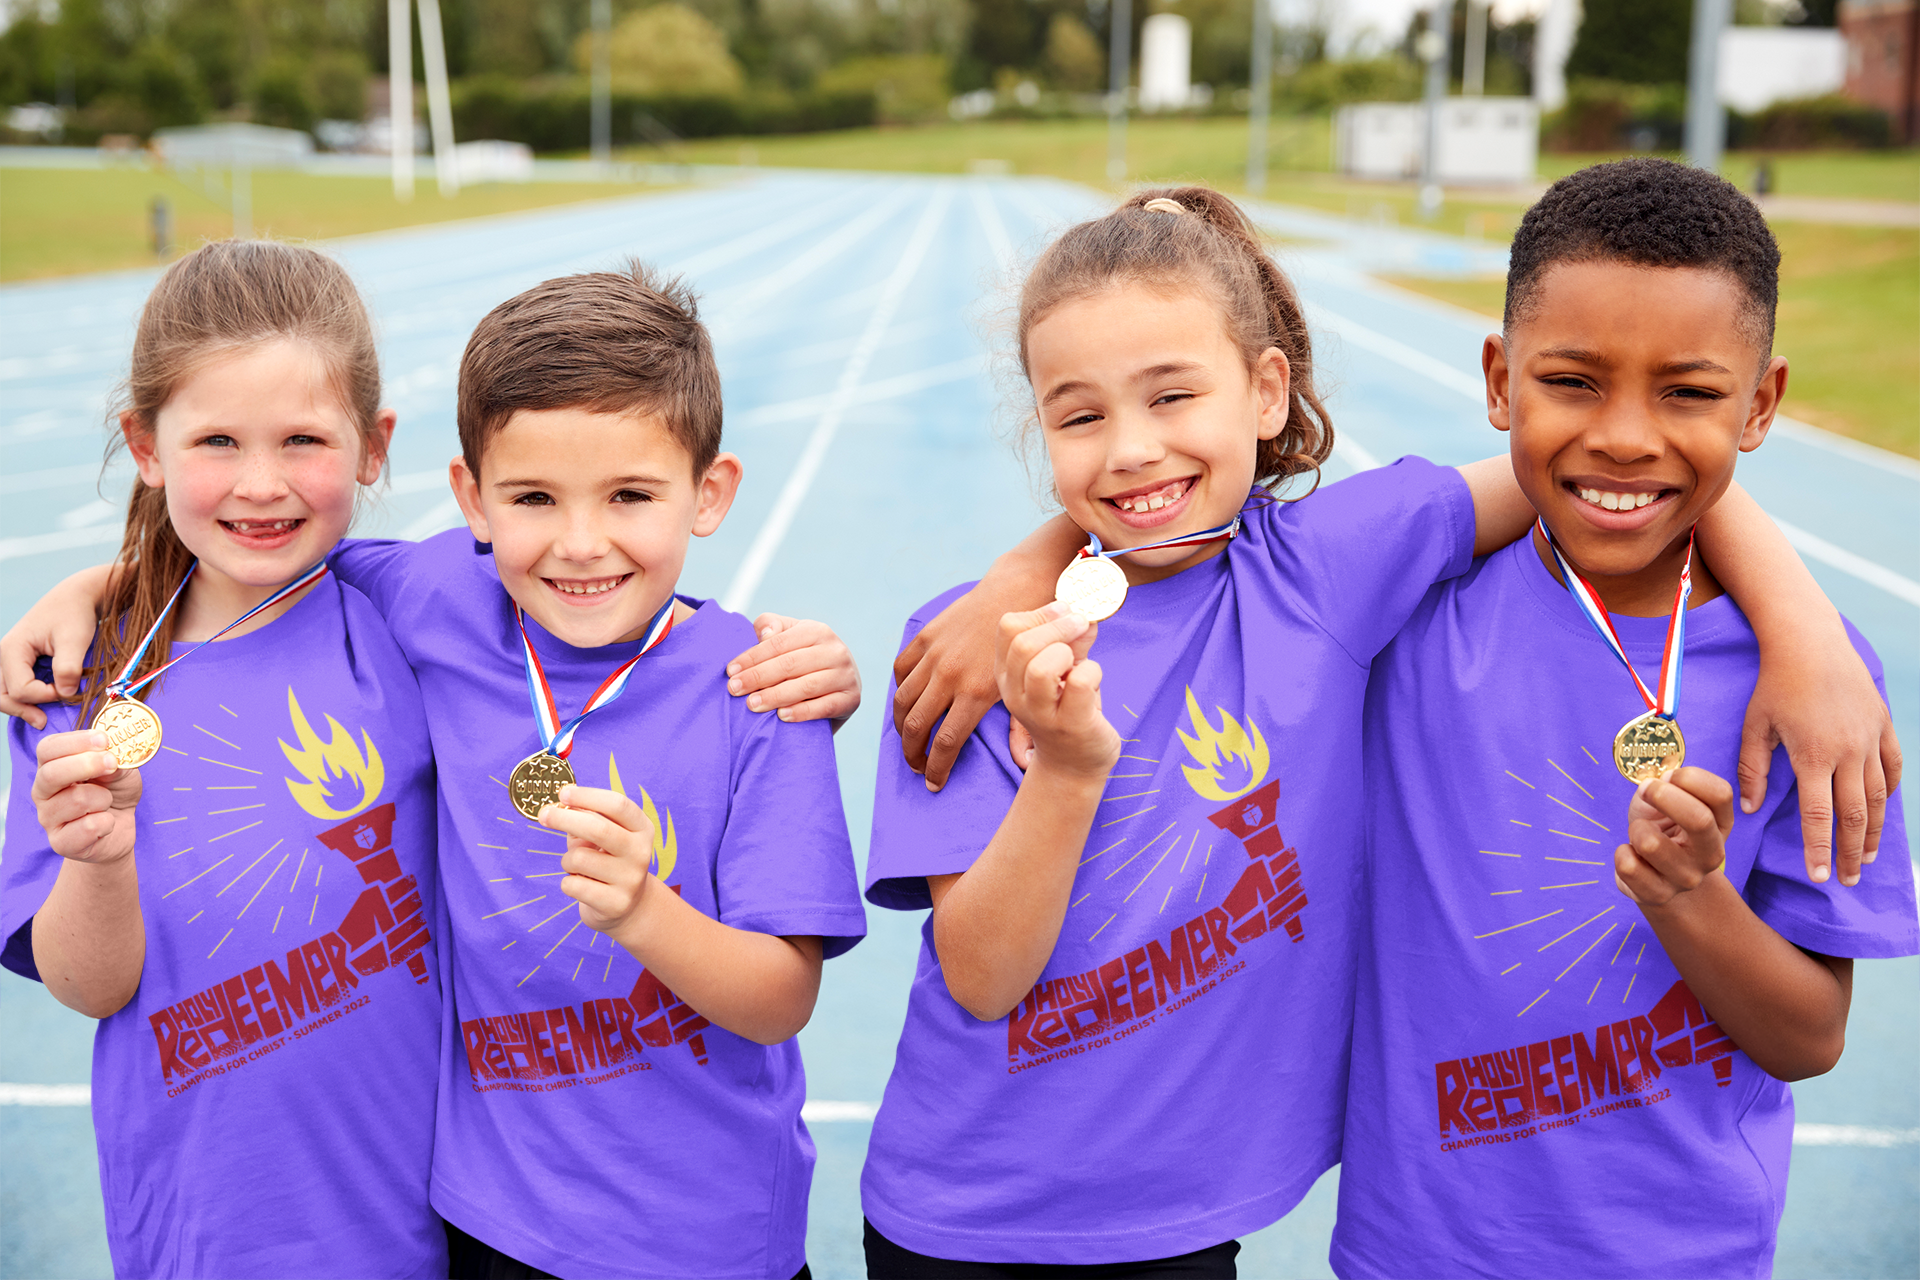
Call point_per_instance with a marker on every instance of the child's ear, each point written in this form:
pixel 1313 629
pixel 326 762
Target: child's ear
pixel 716 493
pixel 140 444
pixel 1493 363
pixel 1765 405
pixel 466 492
pixel 1272 380
pixel 373 453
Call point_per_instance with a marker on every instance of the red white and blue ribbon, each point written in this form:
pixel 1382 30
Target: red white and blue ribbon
pixel 1219 533
pixel 1668 701
pixel 556 738
pixel 127 687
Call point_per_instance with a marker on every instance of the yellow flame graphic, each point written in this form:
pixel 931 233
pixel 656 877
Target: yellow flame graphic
pixel 1244 749
pixel 666 845
pixel 336 758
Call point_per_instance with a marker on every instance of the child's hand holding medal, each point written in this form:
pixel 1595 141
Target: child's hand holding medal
pixel 85 797
pixel 1052 687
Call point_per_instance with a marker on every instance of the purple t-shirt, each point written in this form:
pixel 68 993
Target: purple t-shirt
pixel 591 1123
pixel 1176 1076
pixel 1535 1091
pixel 264 1104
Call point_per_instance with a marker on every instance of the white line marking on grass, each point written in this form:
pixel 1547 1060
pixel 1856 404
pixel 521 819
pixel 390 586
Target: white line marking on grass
pixel 747 578
pixel 820 1112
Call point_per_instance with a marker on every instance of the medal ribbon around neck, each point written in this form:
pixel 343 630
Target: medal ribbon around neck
pixel 536 781
pixel 126 686
pixel 1219 533
pixel 1095 587
pixel 132 727
pixel 1650 745
pixel 557 739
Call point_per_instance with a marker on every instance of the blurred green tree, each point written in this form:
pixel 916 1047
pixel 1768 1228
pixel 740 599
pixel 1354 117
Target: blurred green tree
pixel 1633 42
pixel 667 49
pixel 1075 60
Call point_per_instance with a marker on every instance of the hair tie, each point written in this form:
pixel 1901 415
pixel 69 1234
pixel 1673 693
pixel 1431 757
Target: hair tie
pixel 1160 204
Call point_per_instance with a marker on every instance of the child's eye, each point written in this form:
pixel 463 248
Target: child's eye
pixel 1573 381
pixel 632 495
pixel 217 441
pixel 1697 393
pixel 533 498
pixel 1080 419
pixel 304 439
pixel 1172 396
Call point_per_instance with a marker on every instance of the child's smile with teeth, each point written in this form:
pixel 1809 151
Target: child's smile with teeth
pixel 1164 496
pixel 1615 501
pixel 591 587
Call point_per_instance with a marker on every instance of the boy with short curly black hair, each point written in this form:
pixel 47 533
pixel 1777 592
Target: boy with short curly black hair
pixel 1587 984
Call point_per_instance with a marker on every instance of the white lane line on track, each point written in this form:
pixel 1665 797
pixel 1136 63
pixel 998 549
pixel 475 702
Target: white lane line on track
pixel 1807 544
pixel 732 307
pixel 1815 547
pixel 36 544
pixel 893 388
pixel 441 516
pixel 774 531
pixel 991 224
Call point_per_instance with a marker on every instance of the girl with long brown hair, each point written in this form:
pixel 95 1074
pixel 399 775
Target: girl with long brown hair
pixel 223 847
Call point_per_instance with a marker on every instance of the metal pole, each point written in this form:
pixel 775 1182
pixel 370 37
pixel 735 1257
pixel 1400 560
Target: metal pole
pixel 1473 68
pixel 602 129
pixel 1260 99
pixel 1706 118
pixel 1433 45
pixel 433 51
pixel 1120 13
pixel 400 94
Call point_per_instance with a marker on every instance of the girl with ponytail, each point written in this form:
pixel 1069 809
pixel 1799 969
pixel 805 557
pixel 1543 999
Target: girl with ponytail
pixel 222 848
pixel 1126 1043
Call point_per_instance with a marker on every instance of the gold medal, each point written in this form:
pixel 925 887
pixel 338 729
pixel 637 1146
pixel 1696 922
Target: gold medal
pixel 1648 746
pixel 132 728
pixel 536 781
pixel 1093 587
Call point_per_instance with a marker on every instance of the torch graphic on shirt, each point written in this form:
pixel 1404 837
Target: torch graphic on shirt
pixel 385 926
pixel 1230 763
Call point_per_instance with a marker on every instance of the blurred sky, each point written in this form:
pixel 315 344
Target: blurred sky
pixel 1372 23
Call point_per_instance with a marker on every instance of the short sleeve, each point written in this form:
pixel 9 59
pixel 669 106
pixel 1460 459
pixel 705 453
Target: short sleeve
pixel 785 863
pixel 28 866
pixel 919 833
pixel 1361 553
pixel 379 568
pixel 1874 919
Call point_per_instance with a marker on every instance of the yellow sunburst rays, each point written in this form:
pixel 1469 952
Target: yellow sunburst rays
pixel 237 801
pixel 1229 762
pixel 322 765
pixel 1565 837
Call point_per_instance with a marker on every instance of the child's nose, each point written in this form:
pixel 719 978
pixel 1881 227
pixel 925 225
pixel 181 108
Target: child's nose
pixel 1134 443
pixel 584 539
pixel 260 479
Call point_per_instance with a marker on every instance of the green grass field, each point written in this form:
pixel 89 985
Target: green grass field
pixel 56 222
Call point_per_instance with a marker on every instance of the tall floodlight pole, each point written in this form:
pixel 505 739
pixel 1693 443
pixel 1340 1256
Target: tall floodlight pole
pixel 1433 47
pixel 1119 51
pixel 400 94
pixel 1706 118
pixel 602 82
pixel 1473 64
pixel 1260 97
pixel 433 52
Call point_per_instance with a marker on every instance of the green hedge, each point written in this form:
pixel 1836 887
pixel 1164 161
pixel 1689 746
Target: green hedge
pixel 1604 115
pixel 556 116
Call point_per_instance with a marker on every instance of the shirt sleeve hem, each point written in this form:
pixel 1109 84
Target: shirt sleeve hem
pixel 1852 944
